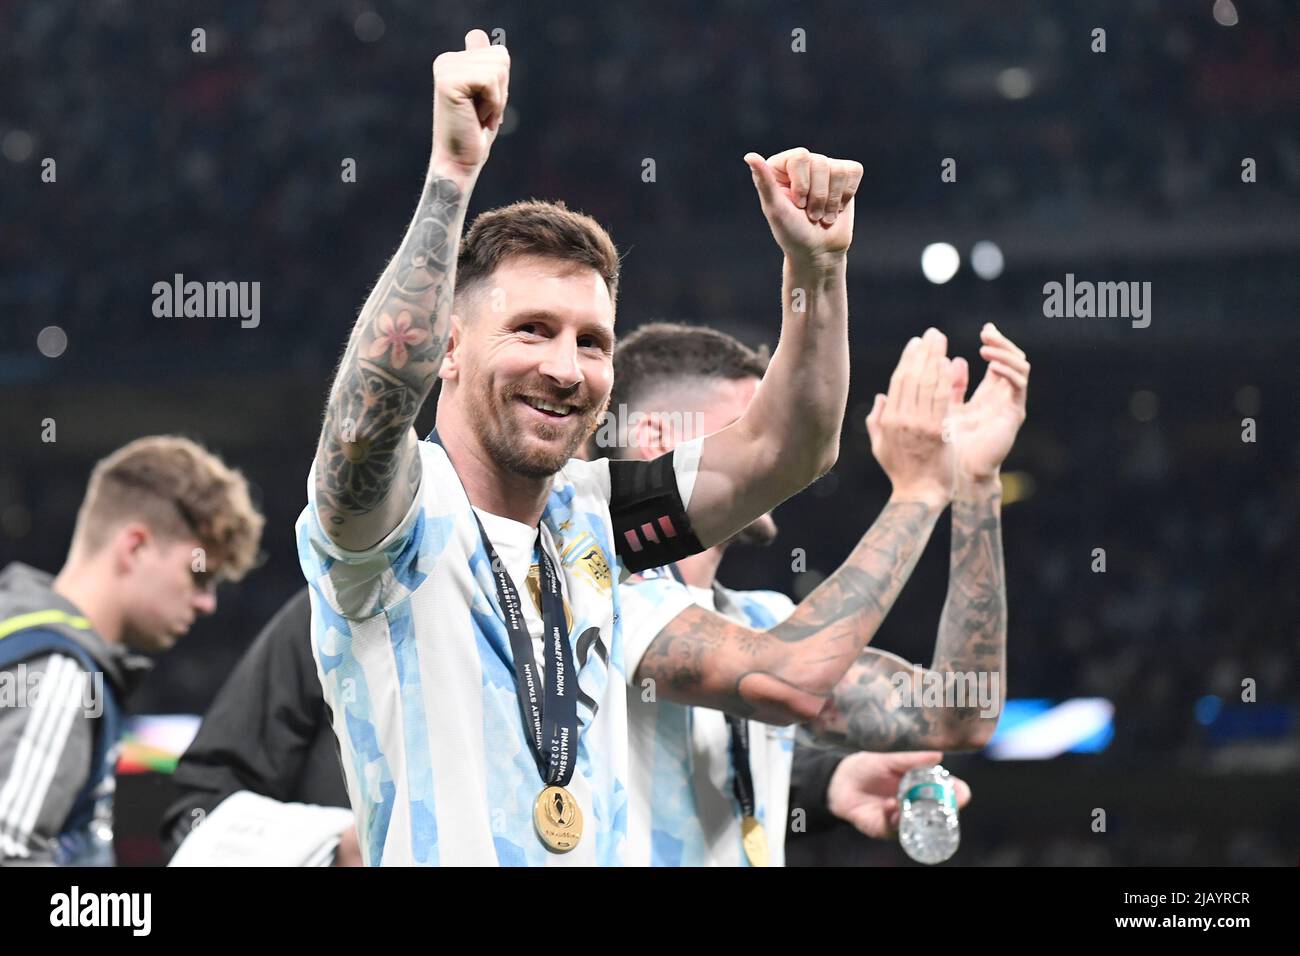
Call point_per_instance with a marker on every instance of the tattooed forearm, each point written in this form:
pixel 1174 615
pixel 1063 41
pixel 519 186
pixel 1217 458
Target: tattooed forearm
pixel 387 371
pixel 973 626
pixel 861 592
pixel 886 703
pixel 788 672
pixel 866 711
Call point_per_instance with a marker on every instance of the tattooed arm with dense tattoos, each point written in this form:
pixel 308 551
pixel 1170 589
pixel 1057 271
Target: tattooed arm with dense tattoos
pixel 887 703
pixel 367 465
pixel 787 674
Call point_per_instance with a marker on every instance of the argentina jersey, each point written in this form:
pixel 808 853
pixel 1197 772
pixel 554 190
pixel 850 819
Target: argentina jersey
pixel 682 806
pixel 415 664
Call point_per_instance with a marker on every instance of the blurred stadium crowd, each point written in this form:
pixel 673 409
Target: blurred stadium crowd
pixel 226 165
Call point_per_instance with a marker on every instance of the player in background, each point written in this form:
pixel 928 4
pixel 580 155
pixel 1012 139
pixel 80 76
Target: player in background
pixel 709 788
pixel 162 522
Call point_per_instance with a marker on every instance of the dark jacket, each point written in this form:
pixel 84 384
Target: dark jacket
pixel 268 731
pixel 823 839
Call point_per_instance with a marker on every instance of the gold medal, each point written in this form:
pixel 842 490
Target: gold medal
pixel 557 819
pixel 755 840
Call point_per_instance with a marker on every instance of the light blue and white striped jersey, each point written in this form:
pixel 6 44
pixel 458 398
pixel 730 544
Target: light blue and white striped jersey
pixel 416 667
pixel 682 810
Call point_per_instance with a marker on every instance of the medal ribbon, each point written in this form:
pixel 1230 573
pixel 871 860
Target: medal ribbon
pixel 550 713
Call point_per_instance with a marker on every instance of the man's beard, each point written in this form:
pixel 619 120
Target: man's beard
pixel 515 455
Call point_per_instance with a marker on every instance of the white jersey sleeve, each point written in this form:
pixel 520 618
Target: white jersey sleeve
pixel 360 584
pixel 686 465
pixel 650 600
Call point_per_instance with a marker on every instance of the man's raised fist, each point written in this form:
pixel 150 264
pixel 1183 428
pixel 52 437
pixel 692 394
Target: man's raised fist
pixel 470 88
pixel 808 200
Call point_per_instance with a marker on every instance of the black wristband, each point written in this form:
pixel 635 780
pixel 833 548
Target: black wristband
pixel 651 528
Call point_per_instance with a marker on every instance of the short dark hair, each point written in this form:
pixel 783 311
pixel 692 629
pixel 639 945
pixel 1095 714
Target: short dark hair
pixel 535 227
pixel 663 354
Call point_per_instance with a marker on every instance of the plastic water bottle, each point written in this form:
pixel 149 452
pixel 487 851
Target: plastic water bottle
pixel 928 829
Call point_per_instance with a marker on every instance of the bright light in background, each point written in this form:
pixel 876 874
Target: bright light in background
pixel 1015 83
pixel 155 742
pixel 939 262
pixel 986 259
pixel 1038 730
pixel 1225 14
pixel 52 341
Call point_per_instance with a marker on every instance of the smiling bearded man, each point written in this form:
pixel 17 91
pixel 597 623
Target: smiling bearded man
pixel 476 725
